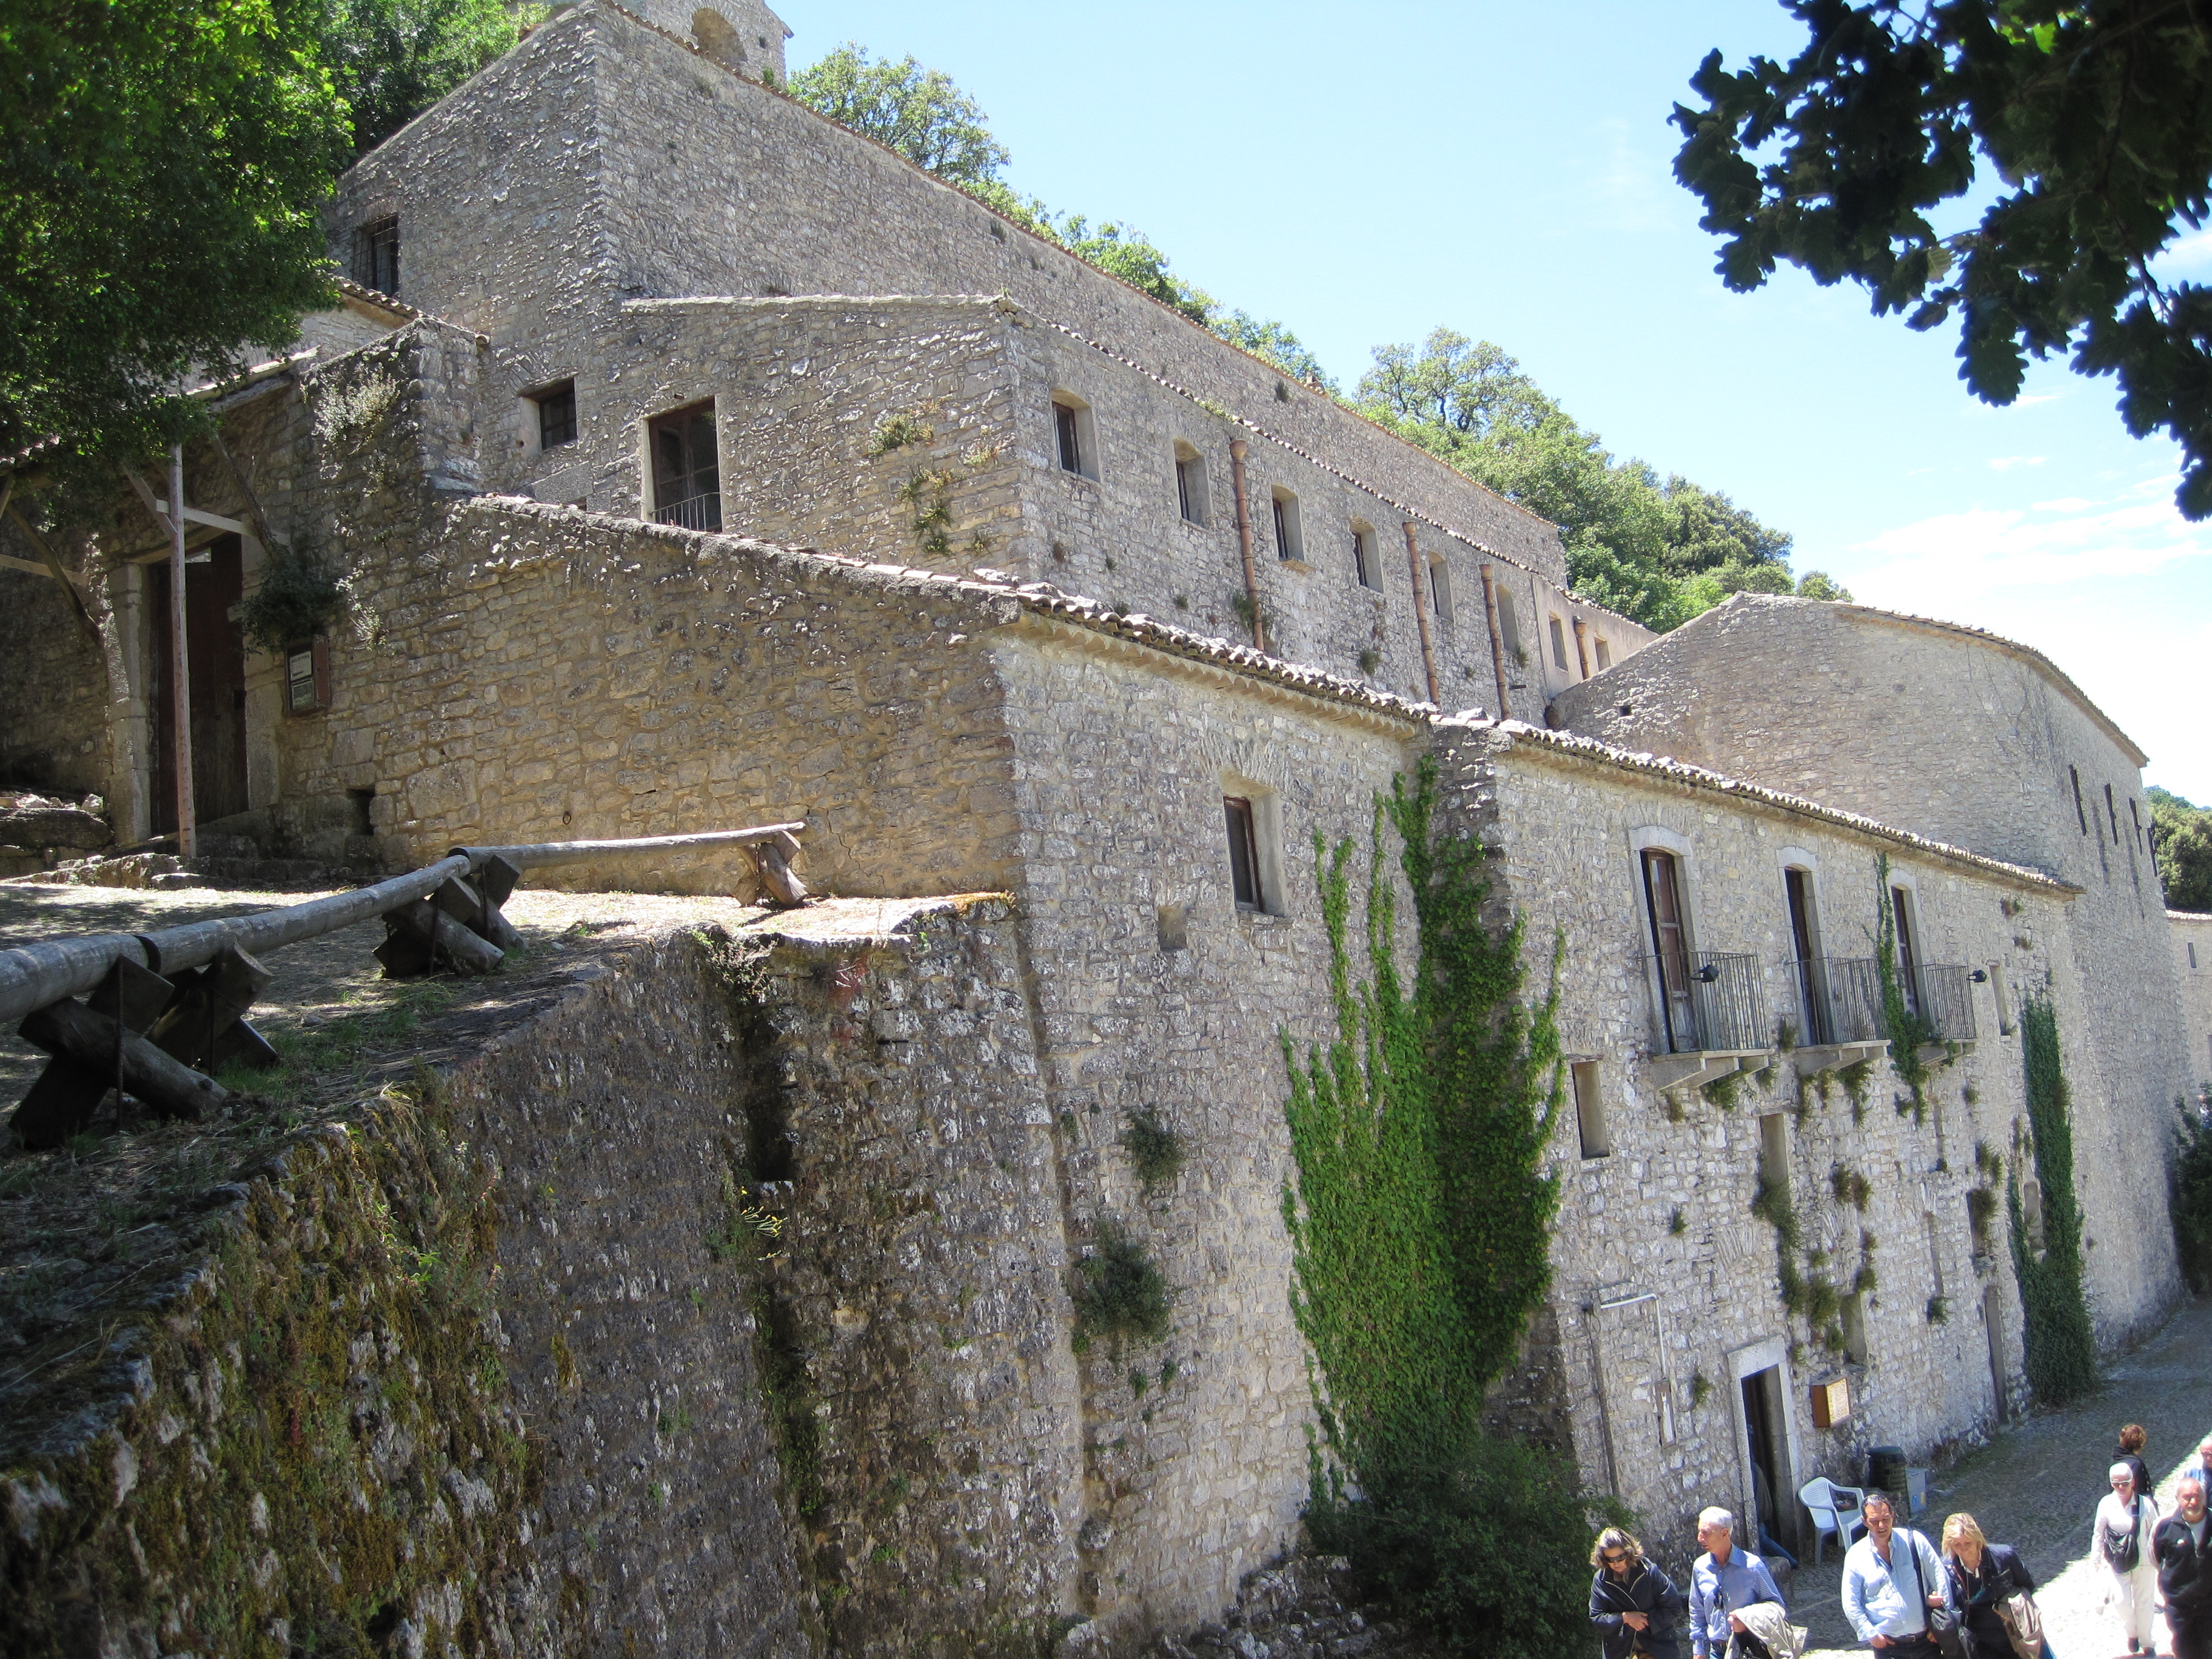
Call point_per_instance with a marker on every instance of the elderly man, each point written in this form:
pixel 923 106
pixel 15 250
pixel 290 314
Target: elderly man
pixel 2201 1465
pixel 1724 1580
pixel 1890 1578
pixel 2184 1570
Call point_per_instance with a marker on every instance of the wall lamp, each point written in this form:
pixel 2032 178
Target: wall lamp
pixel 1980 977
pixel 1708 974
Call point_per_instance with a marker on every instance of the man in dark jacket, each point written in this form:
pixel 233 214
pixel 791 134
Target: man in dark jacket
pixel 1632 1603
pixel 2184 1572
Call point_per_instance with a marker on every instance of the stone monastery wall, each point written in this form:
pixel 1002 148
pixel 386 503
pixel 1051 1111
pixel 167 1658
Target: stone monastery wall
pixel 660 175
pixel 2192 972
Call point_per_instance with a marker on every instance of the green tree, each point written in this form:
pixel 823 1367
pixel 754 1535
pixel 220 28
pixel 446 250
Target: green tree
pixel 2095 115
pixel 161 167
pixel 1658 553
pixel 2184 849
pixel 919 112
pixel 392 59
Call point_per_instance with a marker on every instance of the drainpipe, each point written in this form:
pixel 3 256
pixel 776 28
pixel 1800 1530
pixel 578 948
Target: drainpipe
pixel 1581 650
pixel 1244 544
pixel 1497 644
pixel 180 686
pixel 1421 612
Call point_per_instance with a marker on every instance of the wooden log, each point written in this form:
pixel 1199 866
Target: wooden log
pixel 581 851
pixel 173 1090
pixel 214 999
pixel 772 860
pixel 54 566
pixel 434 926
pixel 466 905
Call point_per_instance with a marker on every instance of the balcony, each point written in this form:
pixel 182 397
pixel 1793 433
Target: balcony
pixel 702 511
pixel 1839 1011
pixel 1708 1015
pixel 1943 996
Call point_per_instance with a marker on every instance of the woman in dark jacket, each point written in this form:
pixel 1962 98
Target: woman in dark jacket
pixel 1981 1575
pixel 1634 1606
pixel 2132 1440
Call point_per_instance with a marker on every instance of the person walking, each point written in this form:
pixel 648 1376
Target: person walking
pixel 2127 1519
pixel 2184 1572
pixel 1978 1577
pixel 1724 1581
pixel 1634 1605
pixel 2132 1439
pixel 1891 1579
pixel 2200 1466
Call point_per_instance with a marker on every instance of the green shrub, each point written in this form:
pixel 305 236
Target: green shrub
pixel 296 600
pixel 1119 1292
pixel 1486 1550
pixel 2192 1193
pixel 1156 1151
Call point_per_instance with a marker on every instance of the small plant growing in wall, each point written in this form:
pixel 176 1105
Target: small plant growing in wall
pixel 1724 1090
pixel 1370 660
pixel 1856 1079
pixel 1849 1186
pixel 1701 1389
pixel 297 598
pixel 930 495
pixel 1156 1151
pixel 897 432
pixel 1939 1309
pixel 1678 1223
pixel 1120 1293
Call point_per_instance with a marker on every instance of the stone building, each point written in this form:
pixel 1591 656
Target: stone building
pixel 2192 972
pixel 713 465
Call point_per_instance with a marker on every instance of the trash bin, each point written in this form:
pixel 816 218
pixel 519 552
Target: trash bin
pixel 1886 1469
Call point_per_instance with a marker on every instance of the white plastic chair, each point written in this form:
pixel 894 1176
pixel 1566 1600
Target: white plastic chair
pixel 1835 1512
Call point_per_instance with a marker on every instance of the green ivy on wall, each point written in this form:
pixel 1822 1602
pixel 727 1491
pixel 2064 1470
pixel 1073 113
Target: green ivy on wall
pixel 2061 1348
pixel 1906 1028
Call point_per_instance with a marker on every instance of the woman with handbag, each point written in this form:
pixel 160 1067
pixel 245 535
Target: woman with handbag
pixel 2127 1516
pixel 1982 1578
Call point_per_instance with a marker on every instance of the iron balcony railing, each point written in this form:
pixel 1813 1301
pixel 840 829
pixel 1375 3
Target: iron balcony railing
pixel 695 513
pixel 1839 1000
pixel 1707 1002
pixel 1944 993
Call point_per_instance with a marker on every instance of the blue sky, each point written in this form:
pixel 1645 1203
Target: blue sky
pixel 1366 173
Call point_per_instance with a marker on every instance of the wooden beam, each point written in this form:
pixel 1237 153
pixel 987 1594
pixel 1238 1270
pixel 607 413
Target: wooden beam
pixel 152 504
pixel 214 521
pixel 244 490
pixel 55 569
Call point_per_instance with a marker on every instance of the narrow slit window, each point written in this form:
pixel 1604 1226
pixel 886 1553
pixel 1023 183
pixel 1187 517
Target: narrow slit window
pixel 2135 818
pixel 556 415
pixel 1440 590
pixel 1362 555
pixel 1604 654
pixel 2080 817
pixel 2113 812
pixel 1589 1109
pixel 1244 851
pixel 1559 645
pixel 1071 438
pixel 1191 494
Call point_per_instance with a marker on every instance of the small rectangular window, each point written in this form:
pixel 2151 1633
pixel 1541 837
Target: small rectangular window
pixel 1191 492
pixel 1244 851
pixel 1774 1149
pixel 376 256
pixel 556 415
pixel 1071 439
pixel 2192 958
pixel 1604 655
pixel 1290 538
pixel 1509 625
pixel 1589 1109
pixel 2003 999
pixel 1440 590
pixel 1854 1336
pixel 1558 645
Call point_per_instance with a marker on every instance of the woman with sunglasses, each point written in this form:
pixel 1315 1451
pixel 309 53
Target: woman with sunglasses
pixel 1634 1606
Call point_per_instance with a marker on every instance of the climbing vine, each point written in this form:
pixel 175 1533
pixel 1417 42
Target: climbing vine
pixel 1420 1210
pixel 2061 1349
pixel 1907 1027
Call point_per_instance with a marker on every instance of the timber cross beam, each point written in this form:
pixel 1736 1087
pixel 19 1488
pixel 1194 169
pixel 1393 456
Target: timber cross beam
pixel 151 1015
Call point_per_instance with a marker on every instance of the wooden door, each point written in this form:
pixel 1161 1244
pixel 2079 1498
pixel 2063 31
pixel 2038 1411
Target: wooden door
pixel 1810 977
pixel 216 661
pixel 1908 958
pixel 1670 943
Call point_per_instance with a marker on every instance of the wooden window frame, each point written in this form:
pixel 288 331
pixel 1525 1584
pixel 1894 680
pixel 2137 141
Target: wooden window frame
pixel 1244 874
pixel 554 433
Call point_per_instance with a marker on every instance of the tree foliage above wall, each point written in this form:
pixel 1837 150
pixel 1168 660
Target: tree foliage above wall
pixel 2094 119
pixel 2184 849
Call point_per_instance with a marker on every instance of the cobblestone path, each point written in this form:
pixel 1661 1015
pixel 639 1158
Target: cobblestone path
pixel 2037 1486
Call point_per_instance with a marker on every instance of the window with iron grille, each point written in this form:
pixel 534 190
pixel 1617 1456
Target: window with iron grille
pixel 556 415
pixel 376 256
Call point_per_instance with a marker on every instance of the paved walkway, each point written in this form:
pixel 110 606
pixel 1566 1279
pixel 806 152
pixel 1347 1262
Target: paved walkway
pixel 2036 1487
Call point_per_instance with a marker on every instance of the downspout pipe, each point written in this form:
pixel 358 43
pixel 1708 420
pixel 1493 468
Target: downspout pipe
pixel 181 683
pixel 1497 644
pixel 1421 610
pixel 1236 448
pixel 1582 646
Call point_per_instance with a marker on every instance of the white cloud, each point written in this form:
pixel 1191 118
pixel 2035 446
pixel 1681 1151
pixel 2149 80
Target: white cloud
pixel 2006 463
pixel 2193 249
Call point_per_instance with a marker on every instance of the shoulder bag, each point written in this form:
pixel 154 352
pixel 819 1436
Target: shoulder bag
pixel 2023 1622
pixel 1940 1622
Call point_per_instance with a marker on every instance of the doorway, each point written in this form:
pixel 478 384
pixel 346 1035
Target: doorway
pixel 1766 1443
pixel 214 659
pixel 1803 940
pixel 1670 943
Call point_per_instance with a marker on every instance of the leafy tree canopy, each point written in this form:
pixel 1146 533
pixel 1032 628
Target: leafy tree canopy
pixel 2184 849
pixel 161 163
pixel 2095 114
pixel 1660 553
pixel 392 59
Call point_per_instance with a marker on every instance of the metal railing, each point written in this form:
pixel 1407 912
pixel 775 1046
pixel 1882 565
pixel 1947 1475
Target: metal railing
pixel 1944 996
pixel 702 511
pixel 1719 1005
pixel 1840 1000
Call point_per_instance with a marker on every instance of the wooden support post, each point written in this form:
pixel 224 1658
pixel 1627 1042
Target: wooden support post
pixel 93 1041
pixel 253 513
pixel 772 858
pixel 465 905
pixel 1497 644
pixel 180 673
pixel 420 930
pixel 1421 610
pixel 202 1026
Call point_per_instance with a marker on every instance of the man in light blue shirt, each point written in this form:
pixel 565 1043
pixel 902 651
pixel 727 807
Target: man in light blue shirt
pixel 1724 1579
pixel 1891 1579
